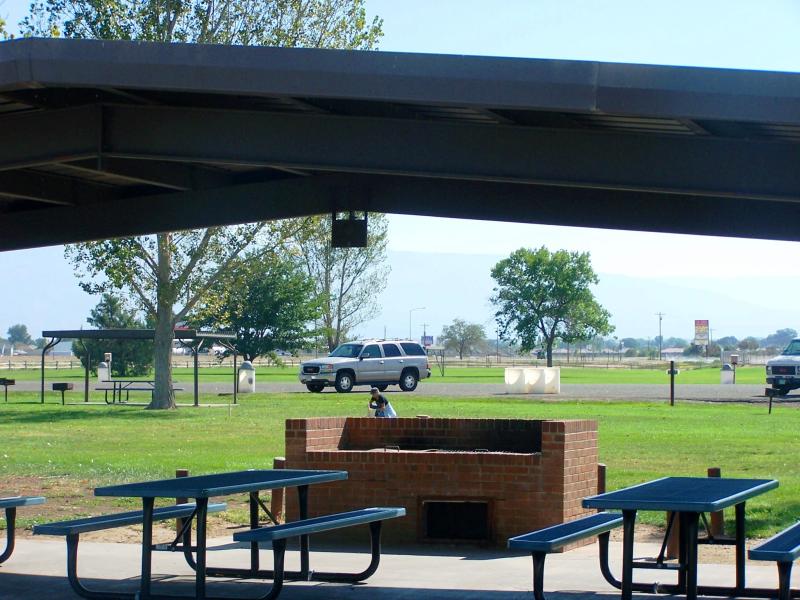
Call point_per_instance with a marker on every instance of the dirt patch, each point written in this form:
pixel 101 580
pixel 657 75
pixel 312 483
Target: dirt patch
pixel 707 553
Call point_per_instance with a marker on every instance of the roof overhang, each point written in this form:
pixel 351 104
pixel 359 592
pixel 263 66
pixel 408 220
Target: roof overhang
pixel 106 139
pixel 134 334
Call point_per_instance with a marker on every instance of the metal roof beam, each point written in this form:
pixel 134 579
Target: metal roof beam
pixel 170 175
pixel 42 137
pixel 591 159
pixel 168 212
pixel 51 189
pixel 606 209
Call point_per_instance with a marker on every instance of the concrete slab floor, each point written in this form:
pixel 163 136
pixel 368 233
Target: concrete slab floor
pixel 38 570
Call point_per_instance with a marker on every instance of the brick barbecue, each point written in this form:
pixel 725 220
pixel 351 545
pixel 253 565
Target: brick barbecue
pixel 470 480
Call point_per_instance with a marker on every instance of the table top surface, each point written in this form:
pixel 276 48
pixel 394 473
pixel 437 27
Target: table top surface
pixel 682 494
pixel 220 484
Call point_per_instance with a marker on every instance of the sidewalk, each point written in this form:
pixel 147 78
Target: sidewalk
pixel 37 570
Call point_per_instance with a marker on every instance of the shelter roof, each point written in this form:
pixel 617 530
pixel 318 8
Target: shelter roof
pixel 103 139
pixel 134 334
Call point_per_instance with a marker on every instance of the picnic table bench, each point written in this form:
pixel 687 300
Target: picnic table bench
pixel 124 385
pixel 278 534
pixel 74 528
pixel 10 505
pixel 5 382
pixel 782 548
pixel 544 541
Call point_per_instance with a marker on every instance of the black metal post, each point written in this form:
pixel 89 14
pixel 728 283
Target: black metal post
pixel 235 378
pixel 196 354
pixel 53 342
pixel 86 372
pixel 672 383
pixel 43 353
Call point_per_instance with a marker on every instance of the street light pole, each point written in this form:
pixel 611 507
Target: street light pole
pixel 410 328
pixel 660 339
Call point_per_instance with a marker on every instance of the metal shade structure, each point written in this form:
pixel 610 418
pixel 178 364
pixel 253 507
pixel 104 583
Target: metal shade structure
pixel 189 338
pixel 104 139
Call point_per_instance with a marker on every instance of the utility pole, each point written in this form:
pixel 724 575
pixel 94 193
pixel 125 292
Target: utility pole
pixel 660 316
pixel 710 339
pixel 424 332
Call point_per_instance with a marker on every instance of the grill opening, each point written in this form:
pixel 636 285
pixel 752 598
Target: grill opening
pixel 310 369
pixel 456 520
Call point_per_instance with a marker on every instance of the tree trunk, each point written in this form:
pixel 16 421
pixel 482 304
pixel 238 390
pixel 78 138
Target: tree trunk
pixel 549 352
pixel 163 396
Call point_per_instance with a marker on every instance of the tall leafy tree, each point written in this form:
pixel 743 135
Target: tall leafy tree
pixel 347 280
pixel 780 338
pixel 129 357
pixel 749 343
pixel 544 296
pixel 167 274
pixel 18 334
pixel 290 23
pixel 462 337
pixel 269 304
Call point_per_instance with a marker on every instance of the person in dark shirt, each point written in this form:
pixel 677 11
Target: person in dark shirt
pixel 380 404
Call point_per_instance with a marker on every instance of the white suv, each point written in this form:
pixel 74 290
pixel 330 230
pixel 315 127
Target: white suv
pixel 378 363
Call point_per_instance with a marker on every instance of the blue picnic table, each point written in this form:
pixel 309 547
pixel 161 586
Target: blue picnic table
pixel 686 498
pixel 203 487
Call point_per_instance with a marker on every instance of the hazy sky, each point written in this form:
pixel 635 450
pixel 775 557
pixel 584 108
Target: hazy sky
pixel 751 276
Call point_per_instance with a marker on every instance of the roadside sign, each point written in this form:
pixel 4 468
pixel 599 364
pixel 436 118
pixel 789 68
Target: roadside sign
pixel 701 332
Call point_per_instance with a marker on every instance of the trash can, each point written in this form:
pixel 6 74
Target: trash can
pixel 726 374
pixel 247 378
pixel 103 372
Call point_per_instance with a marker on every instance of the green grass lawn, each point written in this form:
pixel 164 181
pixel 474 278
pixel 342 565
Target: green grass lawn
pixel 93 445
pixel 598 375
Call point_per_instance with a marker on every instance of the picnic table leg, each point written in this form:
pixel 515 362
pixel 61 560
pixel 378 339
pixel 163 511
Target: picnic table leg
pixel 691 555
pixel 740 547
pixel 200 573
pixel 147 547
pixel 538 574
pixel 605 569
pixel 682 550
pixel 785 580
pixel 254 564
pixel 302 495
pixel 11 517
pixel 628 522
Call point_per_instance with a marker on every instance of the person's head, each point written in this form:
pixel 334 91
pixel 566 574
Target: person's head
pixel 376 395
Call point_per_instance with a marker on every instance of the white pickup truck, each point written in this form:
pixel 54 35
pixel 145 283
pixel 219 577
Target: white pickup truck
pixel 783 372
